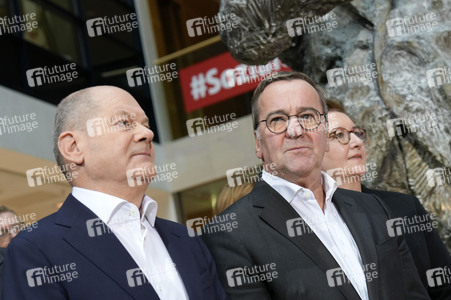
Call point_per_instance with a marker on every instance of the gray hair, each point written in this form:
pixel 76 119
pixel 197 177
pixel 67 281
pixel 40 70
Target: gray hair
pixel 283 76
pixel 71 114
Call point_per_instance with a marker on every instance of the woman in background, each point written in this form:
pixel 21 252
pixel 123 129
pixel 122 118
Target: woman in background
pixel 346 163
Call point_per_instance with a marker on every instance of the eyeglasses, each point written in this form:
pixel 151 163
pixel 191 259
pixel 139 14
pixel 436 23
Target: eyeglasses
pixel 344 136
pixel 278 122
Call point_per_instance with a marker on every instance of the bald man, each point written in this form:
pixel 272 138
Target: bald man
pixel 106 242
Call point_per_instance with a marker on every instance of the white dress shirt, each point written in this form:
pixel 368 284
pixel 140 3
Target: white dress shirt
pixel 138 235
pixel 328 226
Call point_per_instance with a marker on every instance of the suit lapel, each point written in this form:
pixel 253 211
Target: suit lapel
pixel 183 260
pixel 100 246
pixel 359 227
pixel 276 212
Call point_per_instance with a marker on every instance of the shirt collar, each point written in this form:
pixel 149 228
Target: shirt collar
pixel 149 208
pixel 106 206
pixel 290 190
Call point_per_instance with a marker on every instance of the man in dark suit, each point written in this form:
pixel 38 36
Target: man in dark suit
pixel 297 235
pixel 346 161
pixel 106 242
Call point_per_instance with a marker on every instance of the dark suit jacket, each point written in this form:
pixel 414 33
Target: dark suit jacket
pixel 303 264
pixel 428 250
pixel 101 262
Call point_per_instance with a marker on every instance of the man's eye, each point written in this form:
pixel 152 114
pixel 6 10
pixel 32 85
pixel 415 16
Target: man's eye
pixel 123 123
pixel 339 135
pixel 277 119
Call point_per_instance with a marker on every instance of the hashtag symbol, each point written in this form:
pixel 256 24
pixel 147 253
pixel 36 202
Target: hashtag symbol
pixel 198 87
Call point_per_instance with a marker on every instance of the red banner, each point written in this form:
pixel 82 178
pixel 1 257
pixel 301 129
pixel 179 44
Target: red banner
pixel 220 78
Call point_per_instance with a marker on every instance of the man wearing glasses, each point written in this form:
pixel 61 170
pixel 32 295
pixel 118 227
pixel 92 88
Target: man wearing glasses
pixel 298 236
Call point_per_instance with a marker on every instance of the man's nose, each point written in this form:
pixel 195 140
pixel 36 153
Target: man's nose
pixel 294 129
pixel 144 134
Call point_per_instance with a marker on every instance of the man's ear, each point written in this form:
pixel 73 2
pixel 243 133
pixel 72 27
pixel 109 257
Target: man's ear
pixel 68 144
pixel 258 138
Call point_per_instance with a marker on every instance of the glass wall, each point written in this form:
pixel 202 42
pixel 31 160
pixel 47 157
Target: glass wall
pixel 176 46
pixel 53 34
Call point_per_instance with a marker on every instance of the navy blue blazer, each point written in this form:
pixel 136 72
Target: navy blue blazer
pixel 428 250
pixel 62 259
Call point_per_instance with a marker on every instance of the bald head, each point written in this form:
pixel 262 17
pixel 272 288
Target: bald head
pixel 74 110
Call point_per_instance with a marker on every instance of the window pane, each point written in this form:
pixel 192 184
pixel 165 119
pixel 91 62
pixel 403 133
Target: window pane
pixel 54 32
